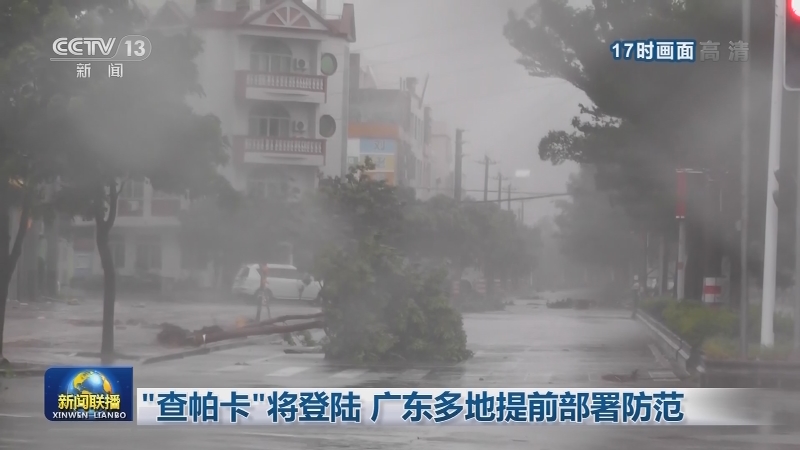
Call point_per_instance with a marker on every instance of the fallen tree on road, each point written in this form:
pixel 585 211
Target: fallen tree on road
pixel 174 336
pixel 258 331
pixel 285 318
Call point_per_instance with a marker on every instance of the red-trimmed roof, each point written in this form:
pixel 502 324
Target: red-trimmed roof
pixel 347 24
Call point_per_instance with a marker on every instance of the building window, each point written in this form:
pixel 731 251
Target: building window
pixel 328 64
pixel 327 126
pixel 132 190
pixel 117 244
pixel 148 253
pixel 270 55
pixel 270 120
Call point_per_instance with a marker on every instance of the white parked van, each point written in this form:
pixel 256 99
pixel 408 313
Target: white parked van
pixel 284 282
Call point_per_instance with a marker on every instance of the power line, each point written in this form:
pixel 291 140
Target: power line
pixel 491 191
pixel 534 197
pixel 450 50
pixel 432 32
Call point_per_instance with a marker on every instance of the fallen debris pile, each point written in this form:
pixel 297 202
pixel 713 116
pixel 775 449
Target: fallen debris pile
pixel 174 336
pixel 568 303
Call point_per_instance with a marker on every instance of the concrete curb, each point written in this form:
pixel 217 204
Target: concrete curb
pixel 28 372
pixel 670 344
pixel 211 348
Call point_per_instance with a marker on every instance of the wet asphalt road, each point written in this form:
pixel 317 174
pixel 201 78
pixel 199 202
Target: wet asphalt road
pixel 525 346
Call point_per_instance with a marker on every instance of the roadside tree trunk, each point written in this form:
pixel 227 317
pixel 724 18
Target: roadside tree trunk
pixel 9 253
pixel 103 223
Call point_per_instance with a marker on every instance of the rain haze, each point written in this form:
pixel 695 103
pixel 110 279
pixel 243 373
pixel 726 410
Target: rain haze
pixel 475 84
pixel 253 224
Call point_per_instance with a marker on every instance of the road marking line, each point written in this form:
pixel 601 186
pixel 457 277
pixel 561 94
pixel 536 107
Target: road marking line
pixel 665 380
pixel 661 374
pixel 230 368
pixel 288 371
pixel 16 416
pixel 414 374
pixel 350 373
pixel 659 356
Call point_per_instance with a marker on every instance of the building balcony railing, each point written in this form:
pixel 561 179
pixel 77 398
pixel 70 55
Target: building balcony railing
pixel 254 85
pixel 250 149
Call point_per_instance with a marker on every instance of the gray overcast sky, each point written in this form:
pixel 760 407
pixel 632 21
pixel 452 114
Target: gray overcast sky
pixel 474 84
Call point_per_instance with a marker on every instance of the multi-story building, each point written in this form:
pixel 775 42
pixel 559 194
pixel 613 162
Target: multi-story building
pixel 390 127
pixel 276 73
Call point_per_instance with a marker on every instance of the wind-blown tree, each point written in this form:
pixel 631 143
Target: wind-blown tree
pixel 438 229
pixel 135 128
pixel 378 304
pixel 30 86
pixel 243 229
pixel 591 231
pixel 646 120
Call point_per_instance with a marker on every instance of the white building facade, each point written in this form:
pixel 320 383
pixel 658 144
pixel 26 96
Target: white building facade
pixel 276 73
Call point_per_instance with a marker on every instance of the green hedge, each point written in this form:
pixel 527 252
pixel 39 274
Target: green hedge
pixel 699 324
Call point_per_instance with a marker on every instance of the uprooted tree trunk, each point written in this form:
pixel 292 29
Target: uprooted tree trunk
pixel 286 318
pixel 258 331
pixel 173 335
pixel 10 253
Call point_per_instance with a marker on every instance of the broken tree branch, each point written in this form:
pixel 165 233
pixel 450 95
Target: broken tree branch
pixel 285 318
pixel 257 331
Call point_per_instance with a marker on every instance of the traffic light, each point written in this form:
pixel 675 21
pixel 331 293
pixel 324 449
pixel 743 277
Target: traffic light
pixel 785 196
pixel 791 56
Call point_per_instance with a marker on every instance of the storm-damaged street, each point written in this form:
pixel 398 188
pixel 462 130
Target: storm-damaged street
pixel 513 211
pixel 525 345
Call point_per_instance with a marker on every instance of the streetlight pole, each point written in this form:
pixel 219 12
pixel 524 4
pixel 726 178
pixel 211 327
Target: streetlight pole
pixel 744 300
pixel 774 162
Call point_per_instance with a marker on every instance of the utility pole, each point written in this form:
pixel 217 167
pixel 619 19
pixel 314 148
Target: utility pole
pixel 522 212
pixel 508 197
pixel 459 157
pixel 499 179
pixel 486 163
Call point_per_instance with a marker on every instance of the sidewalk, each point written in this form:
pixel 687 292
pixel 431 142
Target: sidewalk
pixel 59 332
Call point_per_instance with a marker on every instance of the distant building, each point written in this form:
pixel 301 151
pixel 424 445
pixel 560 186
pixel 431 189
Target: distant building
pixel 441 152
pixel 391 127
pixel 276 73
